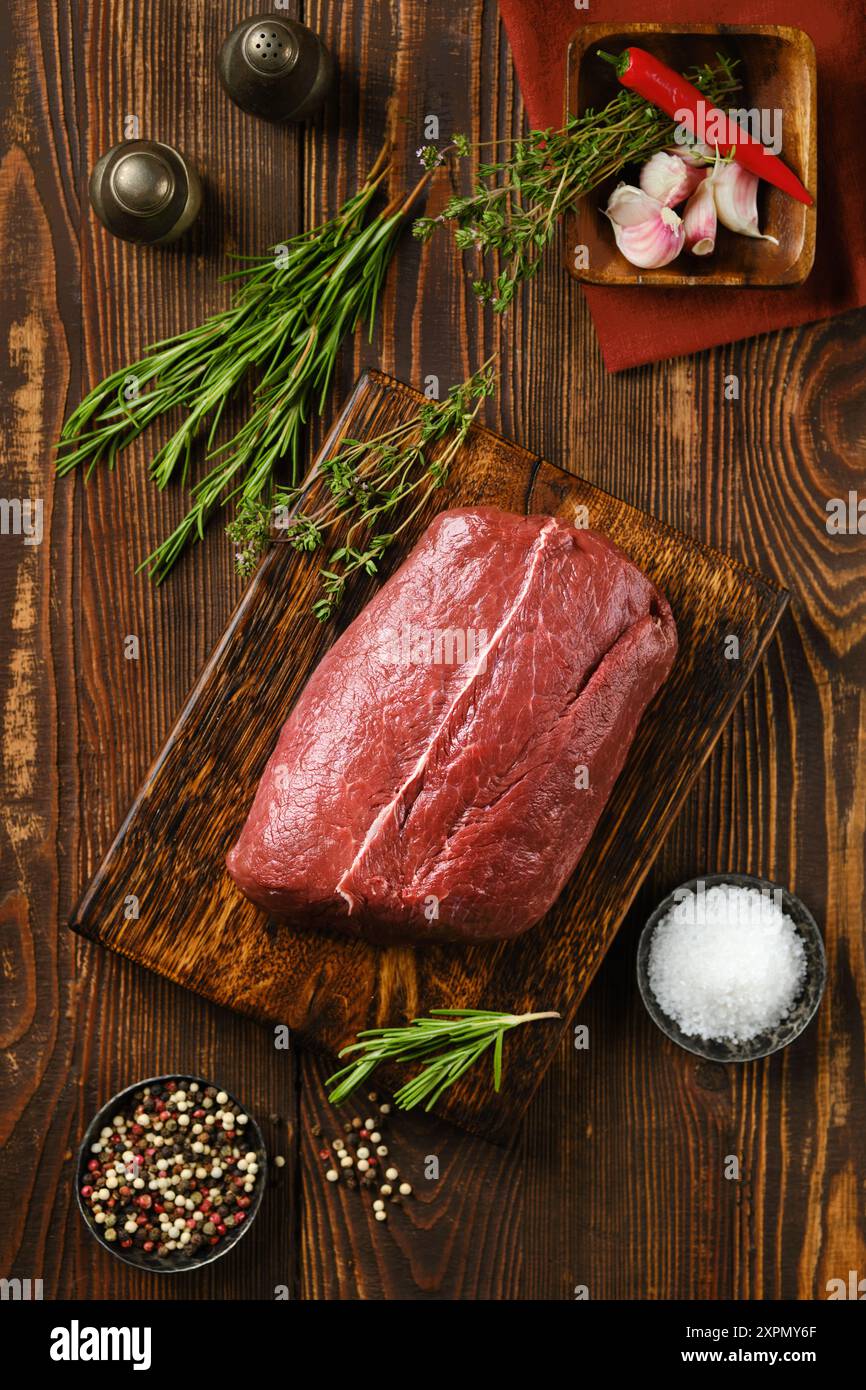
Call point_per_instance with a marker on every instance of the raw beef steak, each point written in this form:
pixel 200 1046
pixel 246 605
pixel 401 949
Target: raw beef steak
pixel 444 768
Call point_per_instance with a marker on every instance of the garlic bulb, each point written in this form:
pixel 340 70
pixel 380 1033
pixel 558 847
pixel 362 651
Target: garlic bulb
pixel 669 178
pixel 647 234
pixel 699 219
pixel 736 194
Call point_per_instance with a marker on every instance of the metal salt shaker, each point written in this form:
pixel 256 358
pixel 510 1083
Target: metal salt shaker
pixel 276 67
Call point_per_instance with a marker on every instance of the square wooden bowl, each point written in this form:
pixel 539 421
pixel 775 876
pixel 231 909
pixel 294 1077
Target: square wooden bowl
pixel 776 69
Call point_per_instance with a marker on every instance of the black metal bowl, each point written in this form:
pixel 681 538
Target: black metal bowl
pixel 803 1011
pixel 177 1262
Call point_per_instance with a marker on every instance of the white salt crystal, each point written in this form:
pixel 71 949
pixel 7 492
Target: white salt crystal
pixel 726 963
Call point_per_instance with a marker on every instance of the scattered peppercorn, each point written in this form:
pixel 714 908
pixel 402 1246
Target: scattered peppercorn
pixel 351 1160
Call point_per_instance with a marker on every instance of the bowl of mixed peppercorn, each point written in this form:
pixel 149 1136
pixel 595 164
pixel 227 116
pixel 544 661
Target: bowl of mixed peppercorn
pixel 171 1173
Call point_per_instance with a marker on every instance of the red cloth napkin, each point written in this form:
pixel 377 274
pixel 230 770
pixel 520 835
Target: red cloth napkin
pixel 539 31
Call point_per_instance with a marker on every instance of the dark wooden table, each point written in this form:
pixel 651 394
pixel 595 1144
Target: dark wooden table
pixel 617 1178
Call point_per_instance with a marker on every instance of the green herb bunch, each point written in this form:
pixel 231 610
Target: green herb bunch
pixel 518 201
pixel 365 484
pixel 290 313
pixel 448 1044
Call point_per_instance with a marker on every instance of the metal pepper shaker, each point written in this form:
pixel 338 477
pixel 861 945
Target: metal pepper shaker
pixel 144 191
pixel 275 67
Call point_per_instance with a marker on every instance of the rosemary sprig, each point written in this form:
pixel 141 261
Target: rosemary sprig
pixel 290 313
pixel 364 484
pixel 448 1044
pixel 518 200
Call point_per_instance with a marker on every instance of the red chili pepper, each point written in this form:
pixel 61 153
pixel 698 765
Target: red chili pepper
pixel 658 83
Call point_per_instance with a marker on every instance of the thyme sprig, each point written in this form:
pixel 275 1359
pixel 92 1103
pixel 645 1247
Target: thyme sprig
pixel 363 485
pixel 290 312
pixel 448 1043
pixel 518 200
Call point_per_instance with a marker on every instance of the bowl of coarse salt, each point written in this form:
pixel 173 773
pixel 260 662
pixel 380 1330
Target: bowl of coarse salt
pixel 731 967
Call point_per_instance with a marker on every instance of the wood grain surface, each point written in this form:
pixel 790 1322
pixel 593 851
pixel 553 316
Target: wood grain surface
pixel 615 1180
pixel 191 923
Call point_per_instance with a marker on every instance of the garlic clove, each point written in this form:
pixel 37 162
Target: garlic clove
pixel 669 178
pixel 699 220
pixel 736 194
pixel 697 155
pixel 647 234
pixel 628 206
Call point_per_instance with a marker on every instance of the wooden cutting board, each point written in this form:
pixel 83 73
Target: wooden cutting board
pixel 163 898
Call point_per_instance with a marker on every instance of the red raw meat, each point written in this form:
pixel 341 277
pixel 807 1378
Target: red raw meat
pixel 411 798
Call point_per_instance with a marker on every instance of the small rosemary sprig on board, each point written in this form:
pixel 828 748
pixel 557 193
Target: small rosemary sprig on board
pixel 290 313
pixel 518 201
pixel 448 1043
pixel 365 483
